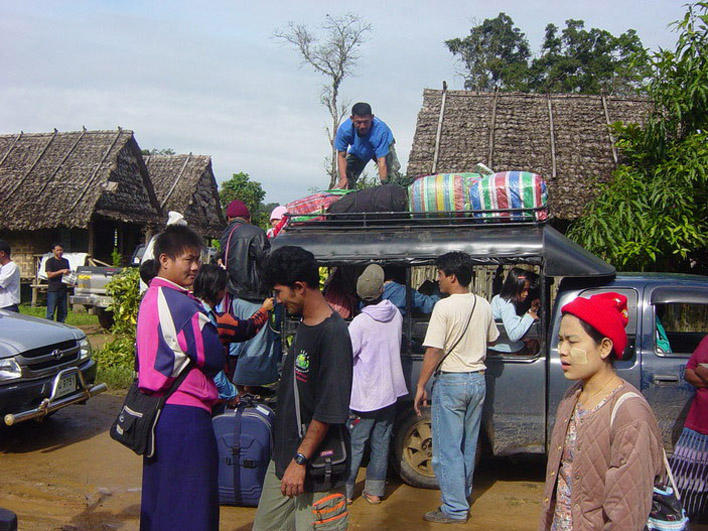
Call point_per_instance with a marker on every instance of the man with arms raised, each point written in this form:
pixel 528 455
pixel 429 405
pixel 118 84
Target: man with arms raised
pixel 460 328
pixel 320 365
pixel 366 138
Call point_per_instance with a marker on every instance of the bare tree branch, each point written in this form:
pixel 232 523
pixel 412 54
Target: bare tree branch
pixel 334 55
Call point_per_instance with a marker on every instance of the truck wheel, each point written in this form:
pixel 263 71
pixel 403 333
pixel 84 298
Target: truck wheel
pixel 105 318
pixel 413 450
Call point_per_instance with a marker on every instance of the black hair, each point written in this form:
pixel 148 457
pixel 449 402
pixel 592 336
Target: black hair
pixel 289 264
pixel 593 332
pixel 456 263
pixel 4 246
pixel 361 109
pixel 395 273
pixel 148 270
pixel 175 239
pixel 514 284
pixel 57 244
pixel 210 280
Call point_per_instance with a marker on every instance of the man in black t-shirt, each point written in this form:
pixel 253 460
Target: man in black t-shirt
pixel 320 364
pixel 56 267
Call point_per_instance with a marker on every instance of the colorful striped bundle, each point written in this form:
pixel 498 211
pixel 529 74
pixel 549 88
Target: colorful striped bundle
pixel 312 207
pixel 444 192
pixel 509 190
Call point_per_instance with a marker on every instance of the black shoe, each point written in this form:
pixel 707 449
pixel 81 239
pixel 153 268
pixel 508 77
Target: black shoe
pixel 440 517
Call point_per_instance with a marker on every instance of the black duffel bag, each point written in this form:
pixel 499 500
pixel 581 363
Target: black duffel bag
pixel 135 425
pixel 384 198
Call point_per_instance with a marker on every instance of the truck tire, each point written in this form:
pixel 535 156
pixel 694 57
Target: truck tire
pixel 105 318
pixel 413 450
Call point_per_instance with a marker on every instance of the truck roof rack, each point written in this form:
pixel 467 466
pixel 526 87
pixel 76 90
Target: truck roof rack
pixel 446 219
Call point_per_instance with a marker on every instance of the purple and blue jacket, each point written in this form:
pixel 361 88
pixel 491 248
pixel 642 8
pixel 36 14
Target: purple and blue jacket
pixel 173 329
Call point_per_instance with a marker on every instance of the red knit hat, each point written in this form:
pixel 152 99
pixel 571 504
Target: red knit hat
pixel 606 313
pixel 237 209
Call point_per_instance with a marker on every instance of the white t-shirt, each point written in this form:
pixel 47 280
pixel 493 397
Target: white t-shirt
pixel 9 284
pixel 447 323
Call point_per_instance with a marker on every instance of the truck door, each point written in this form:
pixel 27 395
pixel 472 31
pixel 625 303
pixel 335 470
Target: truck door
pixel 674 322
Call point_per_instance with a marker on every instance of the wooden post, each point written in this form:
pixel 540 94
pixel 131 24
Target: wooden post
pixel 439 131
pixel 91 239
pixel 609 131
pixel 490 155
pixel 553 137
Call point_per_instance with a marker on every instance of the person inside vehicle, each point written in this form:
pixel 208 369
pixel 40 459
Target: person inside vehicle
pixel 514 292
pixel 277 221
pixel 602 441
pixel 395 291
pixel 338 291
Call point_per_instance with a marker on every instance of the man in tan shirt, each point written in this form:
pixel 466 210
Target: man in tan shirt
pixel 461 326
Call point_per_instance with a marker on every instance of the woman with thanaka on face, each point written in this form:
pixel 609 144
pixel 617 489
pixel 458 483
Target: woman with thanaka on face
pixel 173 331
pixel 604 459
pixel 514 292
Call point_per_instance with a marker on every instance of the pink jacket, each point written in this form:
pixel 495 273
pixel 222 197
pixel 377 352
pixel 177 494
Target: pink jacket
pixel 615 467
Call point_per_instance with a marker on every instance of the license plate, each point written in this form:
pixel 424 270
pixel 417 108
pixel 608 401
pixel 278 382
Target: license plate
pixel 67 385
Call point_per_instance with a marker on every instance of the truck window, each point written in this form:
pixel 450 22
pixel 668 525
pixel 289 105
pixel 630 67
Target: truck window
pixel 679 327
pixel 632 299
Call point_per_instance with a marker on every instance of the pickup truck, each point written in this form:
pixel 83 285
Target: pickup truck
pixel 44 366
pixel 523 391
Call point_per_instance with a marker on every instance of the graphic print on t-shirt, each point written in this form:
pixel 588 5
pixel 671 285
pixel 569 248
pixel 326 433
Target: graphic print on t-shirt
pixel 302 365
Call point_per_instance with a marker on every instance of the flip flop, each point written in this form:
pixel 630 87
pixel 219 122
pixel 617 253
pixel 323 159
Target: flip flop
pixel 369 498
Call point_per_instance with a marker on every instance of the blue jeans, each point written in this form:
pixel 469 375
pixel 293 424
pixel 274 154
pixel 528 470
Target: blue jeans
pixel 56 300
pixel 457 413
pixel 375 427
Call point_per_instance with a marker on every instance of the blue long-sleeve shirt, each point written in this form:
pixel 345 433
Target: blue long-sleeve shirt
pixel 515 326
pixel 396 293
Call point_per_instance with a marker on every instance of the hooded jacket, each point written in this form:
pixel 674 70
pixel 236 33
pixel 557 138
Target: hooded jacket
pixel 377 379
pixel 247 251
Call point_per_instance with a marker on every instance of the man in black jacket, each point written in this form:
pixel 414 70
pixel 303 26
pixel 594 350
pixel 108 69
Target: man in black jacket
pixel 244 248
pixel 244 251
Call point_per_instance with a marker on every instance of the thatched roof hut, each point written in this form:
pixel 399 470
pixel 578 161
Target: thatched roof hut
pixel 88 189
pixel 50 180
pixel 186 183
pixel 564 137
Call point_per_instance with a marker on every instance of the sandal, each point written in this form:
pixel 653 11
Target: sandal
pixel 373 500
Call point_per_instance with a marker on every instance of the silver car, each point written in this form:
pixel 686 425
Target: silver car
pixel 44 366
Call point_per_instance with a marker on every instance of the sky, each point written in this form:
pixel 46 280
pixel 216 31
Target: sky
pixel 210 78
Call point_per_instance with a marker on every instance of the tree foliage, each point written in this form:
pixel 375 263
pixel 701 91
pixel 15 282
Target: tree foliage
pixel 156 151
pixel 240 186
pixel 654 212
pixel 334 54
pixel 496 55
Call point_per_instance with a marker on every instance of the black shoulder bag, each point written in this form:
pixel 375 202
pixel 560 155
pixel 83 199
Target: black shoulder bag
pixel 330 458
pixel 135 425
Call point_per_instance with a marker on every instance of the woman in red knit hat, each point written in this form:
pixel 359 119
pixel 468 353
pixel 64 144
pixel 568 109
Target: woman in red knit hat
pixel 606 450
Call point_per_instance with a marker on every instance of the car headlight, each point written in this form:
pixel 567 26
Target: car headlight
pixel 84 349
pixel 9 369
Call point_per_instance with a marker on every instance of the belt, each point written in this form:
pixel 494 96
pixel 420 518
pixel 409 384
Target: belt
pixel 481 371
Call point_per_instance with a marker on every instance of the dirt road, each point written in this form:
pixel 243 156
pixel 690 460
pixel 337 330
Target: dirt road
pixel 66 473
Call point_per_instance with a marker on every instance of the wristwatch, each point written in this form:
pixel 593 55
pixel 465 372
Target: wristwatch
pixel 300 459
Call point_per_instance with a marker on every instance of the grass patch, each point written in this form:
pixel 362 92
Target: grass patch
pixel 72 318
pixel 114 377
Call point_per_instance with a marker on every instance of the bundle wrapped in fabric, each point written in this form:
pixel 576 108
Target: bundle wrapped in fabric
pixel 510 190
pixel 384 198
pixel 312 207
pixel 444 192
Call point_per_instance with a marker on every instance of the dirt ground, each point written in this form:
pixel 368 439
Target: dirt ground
pixel 68 474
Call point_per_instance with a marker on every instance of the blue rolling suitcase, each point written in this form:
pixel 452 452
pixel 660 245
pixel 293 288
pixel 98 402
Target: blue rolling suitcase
pixel 244 438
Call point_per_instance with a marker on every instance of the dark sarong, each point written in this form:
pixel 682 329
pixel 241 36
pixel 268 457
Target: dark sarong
pixel 180 482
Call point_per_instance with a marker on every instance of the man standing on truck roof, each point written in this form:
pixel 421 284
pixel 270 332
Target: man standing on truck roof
pixel 9 280
pixel 366 138
pixel 460 328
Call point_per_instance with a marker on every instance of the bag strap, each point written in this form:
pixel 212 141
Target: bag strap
pixel 464 331
pixel 667 467
pixel 298 416
pixel 227 298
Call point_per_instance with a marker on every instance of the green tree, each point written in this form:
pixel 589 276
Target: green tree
pixel 654 213
pixel 589 61
pixel 240 186
pixel 495 55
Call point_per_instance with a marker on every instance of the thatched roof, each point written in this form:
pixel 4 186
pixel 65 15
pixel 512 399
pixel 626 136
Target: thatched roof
pixel 564 137
pixel 186 183
pixel 50 180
